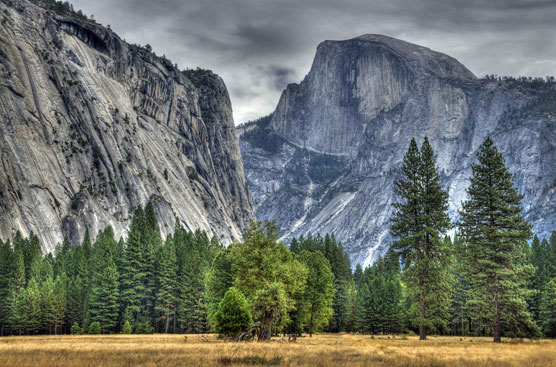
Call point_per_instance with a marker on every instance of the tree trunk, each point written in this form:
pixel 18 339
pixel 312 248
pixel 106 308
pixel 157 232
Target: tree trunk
pixel 265 332
pixel 462 324
pixel 496 321
pixel 311 323
pixel 167 323
pixel 423 314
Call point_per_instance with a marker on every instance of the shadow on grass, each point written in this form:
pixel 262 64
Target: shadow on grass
pixel 250 360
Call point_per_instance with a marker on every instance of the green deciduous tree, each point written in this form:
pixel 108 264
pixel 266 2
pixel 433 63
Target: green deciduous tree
pixel 267 274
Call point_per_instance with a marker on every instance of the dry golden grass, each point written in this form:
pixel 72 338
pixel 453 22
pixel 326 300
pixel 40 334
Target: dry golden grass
pixel 321 350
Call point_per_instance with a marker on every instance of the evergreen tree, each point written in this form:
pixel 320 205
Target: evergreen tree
pixel 218 280
pixel 167 282
pixel 548 309
pixel 540 261
pixel 76 329
pixel 194 263
pixel 7 263
pixel 319 290
pixel 233 316
pixel 103 299
pixel 419 222
pixel 57 302
pixel 95 328
pixel 137 270
pixel 25 309
pixel 459 309
pixel 551 255
pixel 494 233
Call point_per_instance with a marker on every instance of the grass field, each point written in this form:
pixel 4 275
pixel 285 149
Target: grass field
pixel 321 350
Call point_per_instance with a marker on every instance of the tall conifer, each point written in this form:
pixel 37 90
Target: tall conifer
pixel 494 233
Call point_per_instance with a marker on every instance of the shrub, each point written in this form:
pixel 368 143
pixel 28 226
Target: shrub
pixel 144 328
pixel 127 328
pixel 233 314
pixel 94 328
pixel 75 329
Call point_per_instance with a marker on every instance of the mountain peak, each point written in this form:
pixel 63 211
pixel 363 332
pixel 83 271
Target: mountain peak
pixel 421 59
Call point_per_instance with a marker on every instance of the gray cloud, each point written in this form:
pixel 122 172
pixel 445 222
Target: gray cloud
pixel 259 46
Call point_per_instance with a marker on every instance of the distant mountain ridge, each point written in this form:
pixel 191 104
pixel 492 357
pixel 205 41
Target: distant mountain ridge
pixel 92 127
pixel 326 159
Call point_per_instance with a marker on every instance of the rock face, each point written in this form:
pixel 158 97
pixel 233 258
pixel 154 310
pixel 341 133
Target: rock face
pixel 92 127
pixel 327 158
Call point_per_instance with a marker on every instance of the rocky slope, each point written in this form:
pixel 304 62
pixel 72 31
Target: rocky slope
pixel 93 127
pixel 327 158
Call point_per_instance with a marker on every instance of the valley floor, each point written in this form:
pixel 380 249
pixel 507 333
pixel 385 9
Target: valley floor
pixel 320 350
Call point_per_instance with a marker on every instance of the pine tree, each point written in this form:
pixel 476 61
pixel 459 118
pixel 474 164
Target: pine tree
pixel 135 279
pixel 548 309
pixel 494 233
pixel 551 255
pixel 6 280
pixel 459 309
pixel 540 261
pixel 104 292
pixel 319 289
pixel 418 224
pixel 192 312
pixel 57 302
pixel 167 282
pixel 218 280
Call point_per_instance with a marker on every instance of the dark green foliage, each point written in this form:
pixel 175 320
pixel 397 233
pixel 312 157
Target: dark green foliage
pixel 418 224
pixel 219 279
pixel 178 285
pixel 94 328
pixel 267 274
pixel 460 319
pixel 378 302
pixel 104 291
pixel 494 235
pixel 540 259
pixel 166 283
pixel 126 329
pixel 200 77
pixel 194 258
pixel 548 309
pixel 137 277
pixel 233 316
pixel 259 135
pixel 75 329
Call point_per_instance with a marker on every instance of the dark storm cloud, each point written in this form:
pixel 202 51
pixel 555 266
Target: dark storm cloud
pixel 259 46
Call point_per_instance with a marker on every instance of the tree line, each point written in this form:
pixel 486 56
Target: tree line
pixel 487 280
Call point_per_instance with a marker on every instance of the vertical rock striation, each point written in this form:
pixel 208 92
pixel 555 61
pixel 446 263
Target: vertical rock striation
pixel 92 127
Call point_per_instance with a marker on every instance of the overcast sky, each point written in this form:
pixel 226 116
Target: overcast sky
pixel 259 46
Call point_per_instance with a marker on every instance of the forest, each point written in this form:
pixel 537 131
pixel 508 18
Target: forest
pixel 493 278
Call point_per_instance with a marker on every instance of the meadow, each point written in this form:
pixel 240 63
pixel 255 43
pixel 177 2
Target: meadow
pixel 320 350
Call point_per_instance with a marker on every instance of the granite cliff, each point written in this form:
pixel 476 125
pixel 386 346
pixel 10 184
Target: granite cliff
pixel 91 127
pixel 326 159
